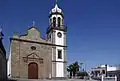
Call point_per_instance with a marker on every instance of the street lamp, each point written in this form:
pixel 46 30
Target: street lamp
pixel 85 71
pixel 84 67
pixel 81 65
pixel 106 70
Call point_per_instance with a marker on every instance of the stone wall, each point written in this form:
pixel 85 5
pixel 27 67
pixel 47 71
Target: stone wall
pixel 21 50
pixel 29 48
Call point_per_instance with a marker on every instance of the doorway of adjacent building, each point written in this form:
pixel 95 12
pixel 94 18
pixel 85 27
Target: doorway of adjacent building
pixel 32 70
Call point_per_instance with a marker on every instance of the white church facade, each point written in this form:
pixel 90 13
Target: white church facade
pixel 33 57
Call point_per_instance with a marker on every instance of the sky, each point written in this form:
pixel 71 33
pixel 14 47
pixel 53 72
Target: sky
pixel 93 35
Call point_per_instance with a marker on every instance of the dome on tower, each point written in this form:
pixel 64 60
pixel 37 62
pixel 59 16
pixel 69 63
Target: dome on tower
pixel 56 9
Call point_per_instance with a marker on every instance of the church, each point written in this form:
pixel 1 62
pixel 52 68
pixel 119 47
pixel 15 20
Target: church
pixel 32 57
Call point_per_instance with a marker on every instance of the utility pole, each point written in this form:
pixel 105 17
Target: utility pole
pixel 81 65
pixel 85 71
pixel 106 70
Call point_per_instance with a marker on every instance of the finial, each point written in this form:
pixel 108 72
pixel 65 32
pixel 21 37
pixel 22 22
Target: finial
pixel 1 28
pixel 56 2
pixel 1 34
pixel 15 33
pixel 33 23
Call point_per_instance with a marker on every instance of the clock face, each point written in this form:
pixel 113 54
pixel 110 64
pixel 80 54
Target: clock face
pixel 59 34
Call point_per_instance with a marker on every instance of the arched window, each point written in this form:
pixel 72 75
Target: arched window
pixel 54 22
pixel 59 21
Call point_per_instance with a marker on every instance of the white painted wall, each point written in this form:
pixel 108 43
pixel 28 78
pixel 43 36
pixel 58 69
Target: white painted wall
pixel 60 69
pixel 110 68
pixel 59 65
pixel 59 41
pixel 56 16
pixel 9 64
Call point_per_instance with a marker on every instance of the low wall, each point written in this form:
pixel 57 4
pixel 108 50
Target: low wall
pixel 50 80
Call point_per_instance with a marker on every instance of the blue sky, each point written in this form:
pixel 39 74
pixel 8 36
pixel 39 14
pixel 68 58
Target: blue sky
pixel 93 35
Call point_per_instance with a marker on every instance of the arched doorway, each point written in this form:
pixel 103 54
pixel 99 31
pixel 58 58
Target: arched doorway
pixel 32 70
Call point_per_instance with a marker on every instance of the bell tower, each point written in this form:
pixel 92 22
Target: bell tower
pixel 56 33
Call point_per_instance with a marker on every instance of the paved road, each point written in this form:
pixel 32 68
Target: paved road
pixel 54 80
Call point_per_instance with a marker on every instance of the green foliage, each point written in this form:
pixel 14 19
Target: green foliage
pixel 73 68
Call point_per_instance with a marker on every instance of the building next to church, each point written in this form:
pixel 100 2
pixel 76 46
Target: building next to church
pixel 33 57
pixel 106 70
pixel 3 61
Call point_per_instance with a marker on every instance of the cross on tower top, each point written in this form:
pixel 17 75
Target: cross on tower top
pixel 1 34
pixel 56 1
pixel 0 28
pixel 33 23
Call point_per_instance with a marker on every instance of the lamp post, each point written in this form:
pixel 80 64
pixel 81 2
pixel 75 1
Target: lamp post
pixel 81 65
pixel 85 71
pixel 84 67
pixel 106 70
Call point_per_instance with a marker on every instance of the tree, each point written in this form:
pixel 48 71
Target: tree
pixel 70 69
pixel 73 69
